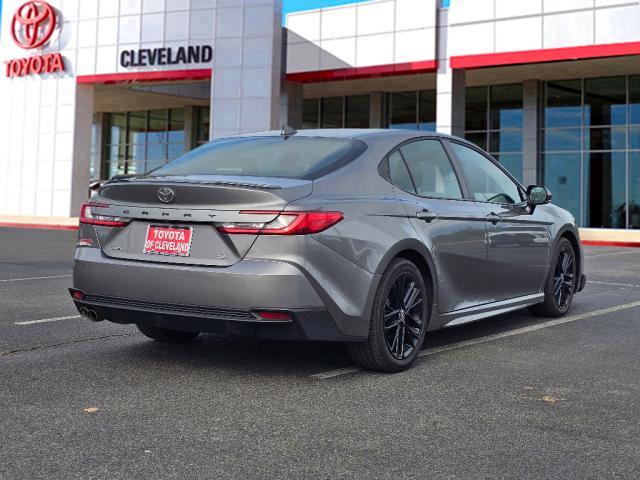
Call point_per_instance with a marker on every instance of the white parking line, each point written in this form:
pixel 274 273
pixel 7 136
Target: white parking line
pixel 48 320
pixel 612 253
pixel 490 338
pixel 612 283
pixel 33 278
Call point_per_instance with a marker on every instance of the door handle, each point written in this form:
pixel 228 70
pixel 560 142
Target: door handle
pixel 494 218
pixel 427 216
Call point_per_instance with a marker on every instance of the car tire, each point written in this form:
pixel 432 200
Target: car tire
pixel 166 336
pixel 562 274
pixel 398 320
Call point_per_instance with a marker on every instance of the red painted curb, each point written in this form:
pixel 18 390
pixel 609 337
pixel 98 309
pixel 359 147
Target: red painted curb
pixel 39 226
pixel 603 243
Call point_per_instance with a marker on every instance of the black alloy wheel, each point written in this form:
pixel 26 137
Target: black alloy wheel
pixel 403 314
pixel 564 279
pixel 560 285
pixel 398 320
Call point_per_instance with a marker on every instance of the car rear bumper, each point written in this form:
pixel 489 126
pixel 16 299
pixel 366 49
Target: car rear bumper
pixel 206 299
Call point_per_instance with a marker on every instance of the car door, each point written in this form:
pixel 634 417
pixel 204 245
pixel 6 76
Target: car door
pixel 449 224
pixel 518 241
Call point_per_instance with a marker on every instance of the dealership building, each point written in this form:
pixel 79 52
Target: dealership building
pixel 91 89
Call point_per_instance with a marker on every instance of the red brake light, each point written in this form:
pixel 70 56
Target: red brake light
pixel 286 223
pixel 89 218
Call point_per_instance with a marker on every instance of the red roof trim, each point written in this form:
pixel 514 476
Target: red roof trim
pixel 545 55
pixel 427 66
pixel 157 76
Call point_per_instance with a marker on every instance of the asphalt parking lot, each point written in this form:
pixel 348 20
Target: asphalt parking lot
pixel 511 397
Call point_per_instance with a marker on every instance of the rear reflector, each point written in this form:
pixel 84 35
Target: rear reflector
pixel 286 223
pixel 87 217
pixel 76 294
pixel 274 316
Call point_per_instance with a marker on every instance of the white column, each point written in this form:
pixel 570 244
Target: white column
pixel 450 85
pixel 291 104
pixel 81 147
pixel 245 94
pixel 376 110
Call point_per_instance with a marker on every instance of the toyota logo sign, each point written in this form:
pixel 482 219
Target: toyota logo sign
pixel 33 24
pixel 166 195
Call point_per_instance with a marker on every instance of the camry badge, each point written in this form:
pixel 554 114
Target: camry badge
pixel 166 195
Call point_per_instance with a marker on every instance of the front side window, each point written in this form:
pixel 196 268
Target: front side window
pixel 430 169
pixel 486 181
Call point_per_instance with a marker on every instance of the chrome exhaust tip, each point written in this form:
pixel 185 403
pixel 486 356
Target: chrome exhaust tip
pixel 88 314
pixel 92 315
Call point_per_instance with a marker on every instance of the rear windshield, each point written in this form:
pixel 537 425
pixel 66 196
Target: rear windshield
pixel 295 157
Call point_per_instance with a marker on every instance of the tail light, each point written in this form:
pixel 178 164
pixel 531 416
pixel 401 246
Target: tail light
pixel 286 223
pixel 89 218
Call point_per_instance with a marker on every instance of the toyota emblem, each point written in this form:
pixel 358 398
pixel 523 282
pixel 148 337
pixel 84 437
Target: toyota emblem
pixel 33 24
pixel 166 195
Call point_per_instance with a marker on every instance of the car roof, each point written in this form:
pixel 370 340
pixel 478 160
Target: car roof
pixel 354 133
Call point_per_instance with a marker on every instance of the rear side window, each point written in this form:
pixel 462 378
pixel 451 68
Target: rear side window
pixel 431 170
pixel 398 173
pixel 295 157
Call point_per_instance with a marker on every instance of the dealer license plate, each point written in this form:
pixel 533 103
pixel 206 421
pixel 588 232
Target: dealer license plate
pixel 173 241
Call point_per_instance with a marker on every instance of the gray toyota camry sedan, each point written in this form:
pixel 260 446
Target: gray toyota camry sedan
pixel 368 237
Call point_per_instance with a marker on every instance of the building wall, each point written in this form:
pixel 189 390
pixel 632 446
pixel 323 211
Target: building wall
pixel 366 34
pixel 498 26
pixel 44 152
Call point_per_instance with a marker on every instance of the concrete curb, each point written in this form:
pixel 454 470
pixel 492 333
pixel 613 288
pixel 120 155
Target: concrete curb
pixel 46 223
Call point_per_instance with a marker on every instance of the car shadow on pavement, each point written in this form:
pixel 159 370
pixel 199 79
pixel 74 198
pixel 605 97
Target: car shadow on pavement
pixel 245 355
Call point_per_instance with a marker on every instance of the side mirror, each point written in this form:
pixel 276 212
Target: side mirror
pixel 537 195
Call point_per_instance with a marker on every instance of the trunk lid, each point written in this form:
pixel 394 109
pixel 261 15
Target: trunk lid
pixel 197 202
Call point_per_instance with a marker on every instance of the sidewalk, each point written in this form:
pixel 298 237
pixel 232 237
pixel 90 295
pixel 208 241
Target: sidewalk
pixel 49 223
pixel 610 237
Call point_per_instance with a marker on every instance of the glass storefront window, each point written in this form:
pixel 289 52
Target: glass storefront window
pixel 505 141
pixel 605 190
pixel 634 189
pixel 588 140
pixel 403 110
pixel 310 113
pixel 336 112
pixel 494 122
pixel 137 128
pixel 412 110
pixel 634 100
pixel 476 106
pixel 331 112
pixel 141 141
pixel 563 104
pixel 563 140
pixel 357 111
pixel 427 110
pixel 202 119
pixel 506 107
pixel 562 178
pixel 176 126
pixel 605 101
pixel 608 138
